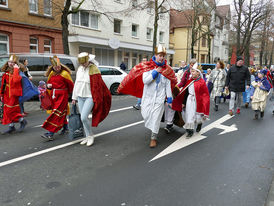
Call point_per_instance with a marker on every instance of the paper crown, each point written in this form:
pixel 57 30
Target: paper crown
pixel 13 58
pixel 55 61
pixel 83 57
pixel 160 49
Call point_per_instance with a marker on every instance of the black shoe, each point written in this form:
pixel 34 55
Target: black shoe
pixel 199 127
pixel 262 114
pixel 169 128
pixel 189 133
pixel 256 116
pixel 273 112
pixel 10 130
pixel 246 105
pixel 137 107
pixel 64 131
pixel 48 136
pixel 216 108
pixel 23 124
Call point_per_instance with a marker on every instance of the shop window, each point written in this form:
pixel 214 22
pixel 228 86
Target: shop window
pixel 33 45
pixel 33 6
pixel 4 44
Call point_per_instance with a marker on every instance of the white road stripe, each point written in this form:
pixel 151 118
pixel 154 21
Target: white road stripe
pixel 2 164
pixel 89 116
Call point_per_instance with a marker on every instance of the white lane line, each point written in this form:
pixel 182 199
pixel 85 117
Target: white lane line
pixel 183 142
pixel 2 164
pixel 89 116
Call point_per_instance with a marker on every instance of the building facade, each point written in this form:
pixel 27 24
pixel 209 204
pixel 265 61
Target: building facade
pixel 30 26
pixel 220 47
pixel 116 31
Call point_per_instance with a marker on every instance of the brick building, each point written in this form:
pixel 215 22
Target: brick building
pixel 31 26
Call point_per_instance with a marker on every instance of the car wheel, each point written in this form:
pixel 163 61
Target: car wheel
pixel 113 89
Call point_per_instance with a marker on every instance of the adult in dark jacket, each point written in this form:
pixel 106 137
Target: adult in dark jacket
pixel 238 77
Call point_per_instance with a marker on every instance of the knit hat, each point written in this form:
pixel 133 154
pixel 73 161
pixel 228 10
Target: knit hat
pixel 239 58
pixel 41 83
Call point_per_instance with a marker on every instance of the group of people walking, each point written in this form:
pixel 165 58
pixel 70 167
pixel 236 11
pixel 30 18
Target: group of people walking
pixel 183 100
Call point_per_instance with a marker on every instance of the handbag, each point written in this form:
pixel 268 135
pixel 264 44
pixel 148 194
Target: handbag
pixel 75 124
pixel 210 84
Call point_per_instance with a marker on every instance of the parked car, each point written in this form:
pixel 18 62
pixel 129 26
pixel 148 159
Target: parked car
pixel 38 64
pixel 112 77
pixel 207 66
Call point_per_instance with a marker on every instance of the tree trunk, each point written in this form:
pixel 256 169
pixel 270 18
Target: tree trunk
pixel 238 45
pixel 247 56
pixel 156 17
pixel 65 23
pixel 209 48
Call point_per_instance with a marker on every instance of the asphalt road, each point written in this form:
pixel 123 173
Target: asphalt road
pixel 222 169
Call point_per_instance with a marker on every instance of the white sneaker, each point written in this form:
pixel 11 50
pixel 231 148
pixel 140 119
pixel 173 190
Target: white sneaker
pixel 90 140
pixel 84 141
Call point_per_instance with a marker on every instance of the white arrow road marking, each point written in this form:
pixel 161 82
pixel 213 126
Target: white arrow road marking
pixel 2 164
pixel 183 142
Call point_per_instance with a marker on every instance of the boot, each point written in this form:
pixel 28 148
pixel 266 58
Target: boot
pixel 189 133
pixel 199 127
pixel 64 130
pixel 10 130
pixel 90 140
pixel 256 116
pixel 23 124
pixel 262 114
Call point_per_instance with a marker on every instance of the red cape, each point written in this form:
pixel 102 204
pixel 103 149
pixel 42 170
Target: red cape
pixel 133 83
pixel 101 96
pixel 201 94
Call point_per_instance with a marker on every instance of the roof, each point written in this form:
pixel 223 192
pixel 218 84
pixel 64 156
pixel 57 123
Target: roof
pixel 223 10
pixel 180 19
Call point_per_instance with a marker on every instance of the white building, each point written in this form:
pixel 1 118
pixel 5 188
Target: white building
pixel 119 36
pixel 222 28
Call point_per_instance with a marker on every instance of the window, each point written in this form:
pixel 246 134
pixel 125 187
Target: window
pixel 47 46
pixel 203 56
pixel 4 3
pixel 149 33
pixel 150 7
pixel 33 45
pixel 195 56
pixel 134 3
pixel 94 21
pixel 117 26
pixel 134 59
pixel 37 63
pixel 106 71
pixel 105 56
pixel 162 13
pixel 134 30
pixel 161 37
pixel 4 44
pixel 33 6
pixel 75 18
pixel 84 18
pixel 204 41
pixel 47 7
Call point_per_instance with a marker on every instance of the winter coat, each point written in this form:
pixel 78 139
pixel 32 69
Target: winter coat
pixel 237 78
pixel 217 77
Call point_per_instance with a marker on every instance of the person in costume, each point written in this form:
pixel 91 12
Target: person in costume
pixel 169 113
pixel 92 95
pixel 59 85
pixel 11 90
pixel 259 93
pixel 153 81
pixel 194 100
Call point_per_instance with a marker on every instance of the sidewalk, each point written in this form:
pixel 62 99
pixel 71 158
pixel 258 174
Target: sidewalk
pixel 270 198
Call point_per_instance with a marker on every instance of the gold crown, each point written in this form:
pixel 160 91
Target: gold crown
pixel 55 61
pixel 83 57
pixel 160 49
pixel 13 58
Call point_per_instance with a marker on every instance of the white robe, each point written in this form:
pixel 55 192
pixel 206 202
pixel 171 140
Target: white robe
pixel 153 100
pixel 190 116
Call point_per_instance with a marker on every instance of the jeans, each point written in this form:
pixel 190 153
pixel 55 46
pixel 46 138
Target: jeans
pixel 232 100
pixel 85 105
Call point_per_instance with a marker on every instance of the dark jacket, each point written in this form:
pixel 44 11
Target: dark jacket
pixel 237 78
